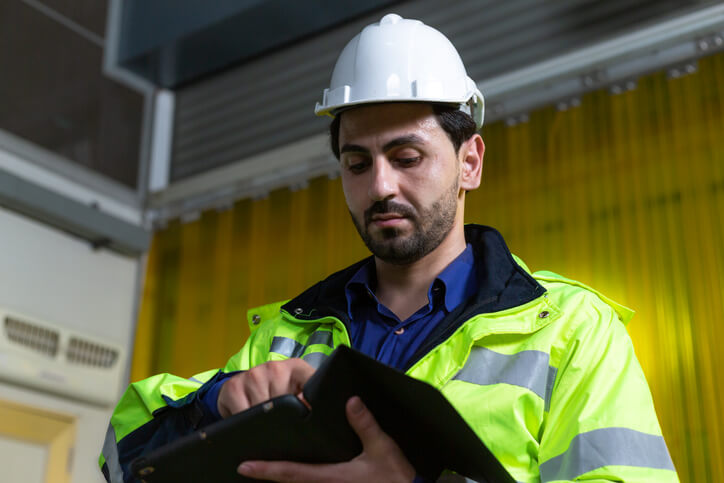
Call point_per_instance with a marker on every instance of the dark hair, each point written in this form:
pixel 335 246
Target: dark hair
pixel 458 126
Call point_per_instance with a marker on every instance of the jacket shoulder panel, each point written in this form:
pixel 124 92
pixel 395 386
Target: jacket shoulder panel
pixel 258 315
pixel 562 289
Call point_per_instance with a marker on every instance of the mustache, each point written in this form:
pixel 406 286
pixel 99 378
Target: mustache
pixel 388 206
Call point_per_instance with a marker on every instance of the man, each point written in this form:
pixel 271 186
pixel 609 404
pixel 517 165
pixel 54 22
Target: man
pixel 539 366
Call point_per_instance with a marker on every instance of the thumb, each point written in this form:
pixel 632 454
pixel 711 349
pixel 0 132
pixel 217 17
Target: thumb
pixel 363 422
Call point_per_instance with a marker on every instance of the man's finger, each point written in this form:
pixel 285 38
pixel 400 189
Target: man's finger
pixel 261 383
pixel 363 422
pixel 287 471
pixel 288 377
pixel 301 397
pixel 231 398
pixel 280 380
pixel 229 406
pixel 301 372
pixel 257 394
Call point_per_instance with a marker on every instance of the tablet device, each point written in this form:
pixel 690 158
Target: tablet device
pixel 277 429
pixel 417 416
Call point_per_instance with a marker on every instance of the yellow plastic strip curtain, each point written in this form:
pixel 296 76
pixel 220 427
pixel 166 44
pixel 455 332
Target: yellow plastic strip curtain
pixel 624 192
pixel 203 275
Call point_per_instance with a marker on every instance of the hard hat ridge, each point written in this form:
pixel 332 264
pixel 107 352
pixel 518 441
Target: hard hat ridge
pixel 400 60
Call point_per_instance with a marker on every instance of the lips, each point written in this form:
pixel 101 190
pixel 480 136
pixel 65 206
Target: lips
pixel 388 213
pixel 386 216
pixel 387 220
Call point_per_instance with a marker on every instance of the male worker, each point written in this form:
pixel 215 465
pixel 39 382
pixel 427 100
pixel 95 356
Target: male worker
pixel 539 366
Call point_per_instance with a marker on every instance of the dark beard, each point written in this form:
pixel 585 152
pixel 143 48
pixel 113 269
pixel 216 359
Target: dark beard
pixel 430 227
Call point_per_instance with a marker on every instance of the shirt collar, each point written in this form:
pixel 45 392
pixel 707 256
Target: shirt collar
pixel 362 284
pixel 458 281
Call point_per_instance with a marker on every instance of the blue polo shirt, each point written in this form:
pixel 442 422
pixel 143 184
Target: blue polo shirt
pixel 379 333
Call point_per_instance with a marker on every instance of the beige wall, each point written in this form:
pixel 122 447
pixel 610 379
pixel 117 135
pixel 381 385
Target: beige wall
pixel 51 276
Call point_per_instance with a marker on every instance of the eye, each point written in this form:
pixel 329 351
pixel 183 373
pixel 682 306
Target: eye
pixel 408 161
pixel 357 166
pixel 405 156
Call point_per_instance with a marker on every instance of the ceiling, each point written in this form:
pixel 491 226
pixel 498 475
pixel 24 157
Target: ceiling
pixel 177 42
pixel 53 91
pixel 55 94
pixel 79 77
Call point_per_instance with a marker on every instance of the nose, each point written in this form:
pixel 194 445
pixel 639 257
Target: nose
pixel 383 183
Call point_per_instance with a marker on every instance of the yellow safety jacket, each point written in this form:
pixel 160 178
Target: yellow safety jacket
pixel 551 385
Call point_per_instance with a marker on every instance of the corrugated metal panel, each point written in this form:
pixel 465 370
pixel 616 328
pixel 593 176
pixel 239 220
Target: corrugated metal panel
pixel 269 102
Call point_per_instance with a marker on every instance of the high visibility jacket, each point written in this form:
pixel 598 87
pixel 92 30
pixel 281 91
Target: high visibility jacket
pixel 544 372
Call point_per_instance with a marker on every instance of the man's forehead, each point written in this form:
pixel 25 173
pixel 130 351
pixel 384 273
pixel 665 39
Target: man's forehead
pixel 388 120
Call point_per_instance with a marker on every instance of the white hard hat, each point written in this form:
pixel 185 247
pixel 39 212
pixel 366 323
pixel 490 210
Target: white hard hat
pixel 401 60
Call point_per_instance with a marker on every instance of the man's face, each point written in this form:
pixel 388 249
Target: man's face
pixel 400 175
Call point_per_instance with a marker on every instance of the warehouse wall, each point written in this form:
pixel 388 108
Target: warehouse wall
pixel 625 193
pixel 53 277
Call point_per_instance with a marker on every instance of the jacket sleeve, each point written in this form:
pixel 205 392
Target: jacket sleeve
pixel 157 410
pixel 602 425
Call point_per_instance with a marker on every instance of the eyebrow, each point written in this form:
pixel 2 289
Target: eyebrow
pixel 407 139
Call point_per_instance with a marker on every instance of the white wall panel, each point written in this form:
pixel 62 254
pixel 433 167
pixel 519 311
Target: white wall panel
pixel 52 276
pixel 20 459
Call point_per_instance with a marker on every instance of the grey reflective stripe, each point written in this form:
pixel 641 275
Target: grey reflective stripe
pixel 291 348
pixel 286 347
pixel 110 453
pixel 315 359
pixel 193 379
pixel 607 447
pixel 321 337
pixel 528 369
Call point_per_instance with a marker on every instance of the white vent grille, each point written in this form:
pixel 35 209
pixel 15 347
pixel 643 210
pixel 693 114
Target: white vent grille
pixel 90 354
pixel 39 339
pixel 52 358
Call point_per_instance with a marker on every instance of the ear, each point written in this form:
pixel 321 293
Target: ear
pixel 471 154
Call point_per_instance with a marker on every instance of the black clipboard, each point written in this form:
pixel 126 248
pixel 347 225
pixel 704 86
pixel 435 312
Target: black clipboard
pixel 417 416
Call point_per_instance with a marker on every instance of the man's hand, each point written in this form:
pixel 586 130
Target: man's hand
pixel 381 459
pixel 261 383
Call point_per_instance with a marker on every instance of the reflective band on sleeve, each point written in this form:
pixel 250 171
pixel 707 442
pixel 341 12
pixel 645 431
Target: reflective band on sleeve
pixel 286 347
pixel 193 379
pixel 315 359
pixel 291 348
pixel 110 453
pixel 321 337
pixel 607 447
pixel 528 369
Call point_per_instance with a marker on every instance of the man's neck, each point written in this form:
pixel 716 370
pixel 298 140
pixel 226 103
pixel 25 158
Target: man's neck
pixel 403 288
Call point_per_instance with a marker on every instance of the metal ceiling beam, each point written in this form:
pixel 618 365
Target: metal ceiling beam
pixel 291 165
pixel 100 229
